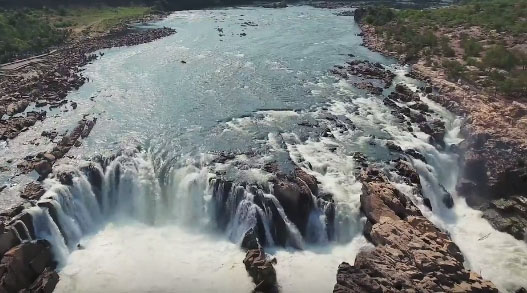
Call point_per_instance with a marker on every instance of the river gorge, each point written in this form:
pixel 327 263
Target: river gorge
pixel 195 134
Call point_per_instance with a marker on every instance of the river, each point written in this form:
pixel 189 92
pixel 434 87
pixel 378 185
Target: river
pixel 253 82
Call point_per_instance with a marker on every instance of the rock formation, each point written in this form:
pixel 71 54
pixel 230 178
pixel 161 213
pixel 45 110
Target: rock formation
pixel 261 270
pixel 410 254
pixel 28 267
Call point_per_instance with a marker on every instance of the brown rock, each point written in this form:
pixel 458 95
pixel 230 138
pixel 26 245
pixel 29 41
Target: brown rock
pixel 410 254
pixel 261 270
pixel 24 263
pixel 33 191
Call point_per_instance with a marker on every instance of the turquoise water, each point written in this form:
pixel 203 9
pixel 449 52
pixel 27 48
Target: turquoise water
pixel 146 93
pixel 254 82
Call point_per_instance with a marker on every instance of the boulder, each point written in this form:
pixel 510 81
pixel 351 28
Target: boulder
pixel 261 270
pixel 250 240
pixel 33 191
pixel 24 263
pixel 43 168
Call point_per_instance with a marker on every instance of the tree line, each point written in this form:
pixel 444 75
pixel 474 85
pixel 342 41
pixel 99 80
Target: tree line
pixel 160 4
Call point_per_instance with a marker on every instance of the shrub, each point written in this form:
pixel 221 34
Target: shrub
pixel 454 69
pixel 499 57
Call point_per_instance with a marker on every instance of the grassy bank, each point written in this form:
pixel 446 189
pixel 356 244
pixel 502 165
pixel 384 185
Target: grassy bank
pixel 481 42
pixel 26 32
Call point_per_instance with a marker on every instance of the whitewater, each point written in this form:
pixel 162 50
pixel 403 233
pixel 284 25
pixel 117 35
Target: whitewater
pixel 254 83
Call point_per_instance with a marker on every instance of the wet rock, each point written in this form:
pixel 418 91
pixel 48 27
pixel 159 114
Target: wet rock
pixel 428 89
pixel 404 169
pixel 33 191
pixel 410 254
pixel 23 264
pixel 8 240
pixel 261 271
pixel 508 215
pixel 65 178
pixel 446 197
pixel 371 77
pixel 345 13
pixel 282 4
pixel 295 197
pixel 415 154
pixel 43 168
pixel 390 145
pixel 250 240
pixel 88 126
pixel 309 180
pixel 45 283
pixel 49 134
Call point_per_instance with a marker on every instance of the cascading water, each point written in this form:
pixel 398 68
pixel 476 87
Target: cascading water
pixel 173 217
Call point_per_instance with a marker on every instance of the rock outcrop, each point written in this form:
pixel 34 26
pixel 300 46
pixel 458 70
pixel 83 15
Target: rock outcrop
pixel 28 267
pixel 365 75
pixel 494 152
pixel 261 270
pixel 410 254
pixel 43 162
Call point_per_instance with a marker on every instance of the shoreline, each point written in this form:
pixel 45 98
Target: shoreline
pixel 43 82
pixel 411 225
pixel 491 157
pixel 40 84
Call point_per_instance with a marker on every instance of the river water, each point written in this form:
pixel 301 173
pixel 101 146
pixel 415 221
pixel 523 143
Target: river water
pixel 254 82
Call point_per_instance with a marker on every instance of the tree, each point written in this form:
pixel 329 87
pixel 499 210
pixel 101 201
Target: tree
pixel 499 57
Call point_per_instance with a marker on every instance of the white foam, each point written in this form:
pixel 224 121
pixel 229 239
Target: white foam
pixel 139 258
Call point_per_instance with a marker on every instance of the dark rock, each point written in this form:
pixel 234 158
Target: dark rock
pixel 295 197
pixel 250 240
pixel 428 89
pixel 393 147
pixel 261 271
pixel 65 178
pixel 32 191
pixel 24 263
pixel 43 168
pixel 45 283
pixel 508 215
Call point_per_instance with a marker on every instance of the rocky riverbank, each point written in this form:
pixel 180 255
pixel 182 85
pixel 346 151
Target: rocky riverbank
pixel 410 254
pixel 43 83
pixel 494 153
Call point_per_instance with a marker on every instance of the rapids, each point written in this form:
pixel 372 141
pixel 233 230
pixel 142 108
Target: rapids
pixel 255 83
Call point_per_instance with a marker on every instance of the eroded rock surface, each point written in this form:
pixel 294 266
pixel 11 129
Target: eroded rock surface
pixel 28 267
pixel 410 254
pixel 261 270
pixel 365 75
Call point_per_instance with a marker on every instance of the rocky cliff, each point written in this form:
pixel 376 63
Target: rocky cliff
pixel 410 254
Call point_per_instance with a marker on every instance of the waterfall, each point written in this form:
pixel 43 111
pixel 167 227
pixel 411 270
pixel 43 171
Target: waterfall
pixel 127 188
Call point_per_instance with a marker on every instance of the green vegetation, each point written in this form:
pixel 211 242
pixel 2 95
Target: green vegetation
pixel 24 32
pixel 499 57
pixel 31 31
pixel 501 15
pixel 470 41
pixel 94 19
pixel 471 47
